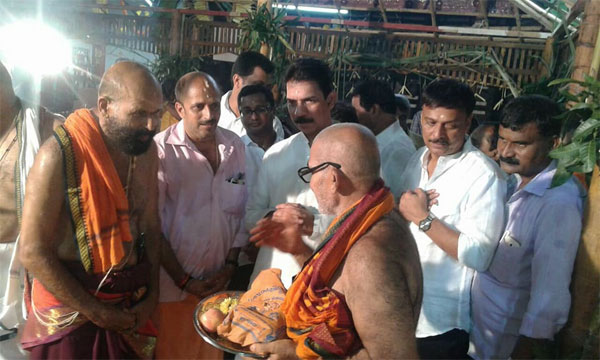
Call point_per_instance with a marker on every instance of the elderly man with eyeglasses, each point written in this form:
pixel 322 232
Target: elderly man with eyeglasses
pixel 359 293
pixel 279 195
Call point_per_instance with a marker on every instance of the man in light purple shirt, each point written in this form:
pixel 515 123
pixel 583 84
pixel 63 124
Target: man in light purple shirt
pixel 523 298
pixel 202 198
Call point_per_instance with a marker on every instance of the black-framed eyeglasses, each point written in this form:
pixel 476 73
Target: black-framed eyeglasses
pixel 247 112
pixel 306 172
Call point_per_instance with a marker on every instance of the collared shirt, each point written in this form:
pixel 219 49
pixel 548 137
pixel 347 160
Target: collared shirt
pixel 525 291
pixel 395 149
pixel 278 183
pixel 254 157
pixel 229 121
pixel 201 211
pixel 472 193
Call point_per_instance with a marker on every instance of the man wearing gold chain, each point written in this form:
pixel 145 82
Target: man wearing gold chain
pixel 90 230
pixel 23 128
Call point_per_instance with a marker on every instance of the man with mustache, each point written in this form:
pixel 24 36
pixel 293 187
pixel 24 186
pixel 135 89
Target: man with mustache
pixel 523 299
pixel 202 194
pixel 459 235
pixel 279 195
pixel 90 231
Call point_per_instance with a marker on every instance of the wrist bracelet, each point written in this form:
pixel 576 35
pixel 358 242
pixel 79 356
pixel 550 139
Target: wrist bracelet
pixel 184 281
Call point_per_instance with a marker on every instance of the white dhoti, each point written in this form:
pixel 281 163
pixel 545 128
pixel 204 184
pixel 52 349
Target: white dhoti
pixel 11 292
pixel 12 274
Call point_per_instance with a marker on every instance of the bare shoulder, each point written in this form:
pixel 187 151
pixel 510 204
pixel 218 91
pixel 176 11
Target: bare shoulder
pixel 387 255
pixel 389 237
pixel 48 160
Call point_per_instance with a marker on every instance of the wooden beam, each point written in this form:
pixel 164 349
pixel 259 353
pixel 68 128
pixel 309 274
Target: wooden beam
pixel 492 32
pixel 517 16
pixel 175 34
pixel 483 11
pixel 432 10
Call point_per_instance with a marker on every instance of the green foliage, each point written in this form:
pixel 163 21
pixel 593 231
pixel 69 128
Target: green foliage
pixel 174 66
pixel 263 26
pixel 584 115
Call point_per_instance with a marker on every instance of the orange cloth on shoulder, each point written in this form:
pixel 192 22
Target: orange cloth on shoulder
pixel 317 317
pixel 97 200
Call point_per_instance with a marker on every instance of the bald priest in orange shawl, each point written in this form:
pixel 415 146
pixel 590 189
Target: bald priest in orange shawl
pixel 359 294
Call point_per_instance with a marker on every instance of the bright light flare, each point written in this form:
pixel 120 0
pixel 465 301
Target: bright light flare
pixel 35 47
pixel 312 9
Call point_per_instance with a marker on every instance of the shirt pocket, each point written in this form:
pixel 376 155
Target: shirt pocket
pixel 233 198
pixel 510 258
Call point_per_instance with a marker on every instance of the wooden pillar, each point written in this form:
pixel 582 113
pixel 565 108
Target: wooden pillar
pixel 584 50
pixel 585 285
pixel 175 34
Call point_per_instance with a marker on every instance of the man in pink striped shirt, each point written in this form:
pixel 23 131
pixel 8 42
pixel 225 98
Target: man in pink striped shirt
pixel 202 196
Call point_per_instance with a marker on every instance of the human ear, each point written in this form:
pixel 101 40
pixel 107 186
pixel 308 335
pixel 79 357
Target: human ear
pixel 103 106
pixel 331 99
pixel 180 109
pixel 237 81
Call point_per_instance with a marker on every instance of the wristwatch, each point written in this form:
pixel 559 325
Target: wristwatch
pixel 425 224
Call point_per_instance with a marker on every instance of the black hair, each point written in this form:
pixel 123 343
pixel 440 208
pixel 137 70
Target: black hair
pixel 256 89
pixel 246 62
pixel 537 109
pixel 343 113
pixel 308 69
pixel 450 94
pixel 477 135
pixel 378 92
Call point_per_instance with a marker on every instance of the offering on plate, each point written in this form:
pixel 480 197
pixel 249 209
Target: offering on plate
pixel 211 319
pixel 258 317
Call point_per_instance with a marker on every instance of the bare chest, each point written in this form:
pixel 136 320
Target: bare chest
pixel 137 190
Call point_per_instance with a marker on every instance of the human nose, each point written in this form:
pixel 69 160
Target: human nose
pixel 505 150
pixel 152 122
pixel 210 112
pixel 439 132
pixel 297 109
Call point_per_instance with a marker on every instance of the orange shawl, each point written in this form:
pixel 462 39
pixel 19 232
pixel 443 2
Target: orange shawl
pixel 96 199
pixel 317 317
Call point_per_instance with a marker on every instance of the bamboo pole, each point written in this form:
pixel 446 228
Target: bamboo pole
pixel 585 286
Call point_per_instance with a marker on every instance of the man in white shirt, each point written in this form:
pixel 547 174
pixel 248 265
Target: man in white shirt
pixel 250 68
pixel 460 234
pixel 310 98
pixel 256 106
pixel 375 106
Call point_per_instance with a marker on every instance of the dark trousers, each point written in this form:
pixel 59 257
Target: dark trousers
pixel 453 344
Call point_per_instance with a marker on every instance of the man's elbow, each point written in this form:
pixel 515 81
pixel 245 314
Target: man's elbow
pixel 28 254
pixel 477 259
